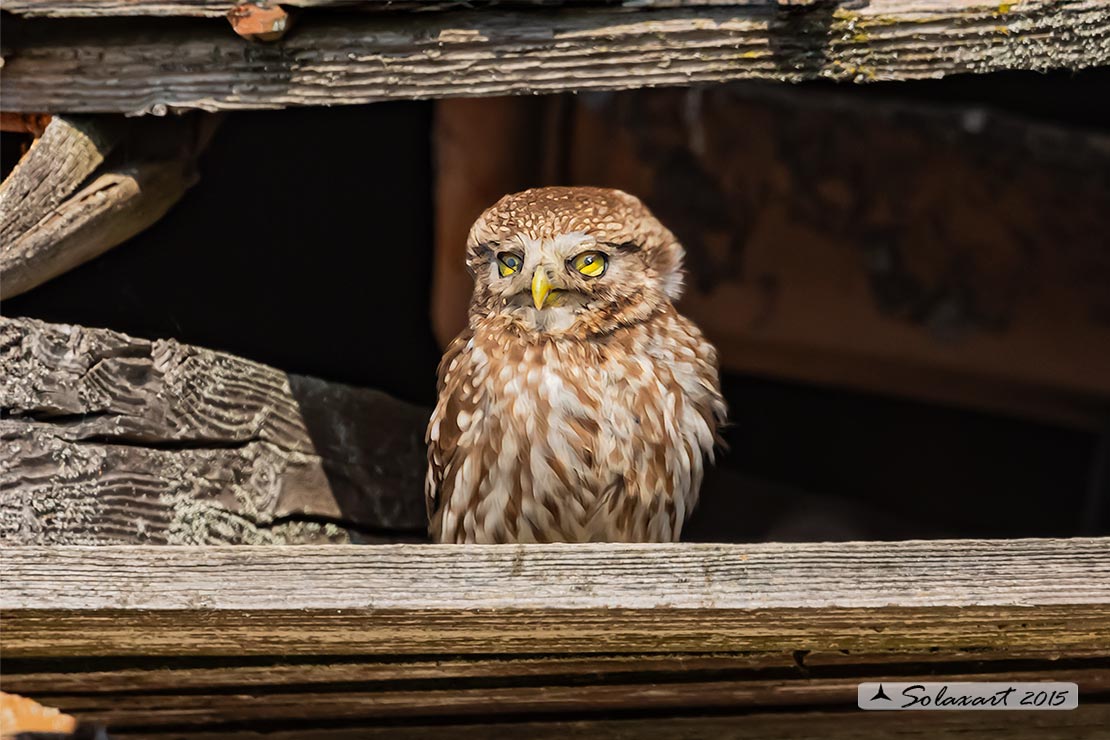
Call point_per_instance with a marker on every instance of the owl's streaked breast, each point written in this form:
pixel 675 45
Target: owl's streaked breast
pixel 569 440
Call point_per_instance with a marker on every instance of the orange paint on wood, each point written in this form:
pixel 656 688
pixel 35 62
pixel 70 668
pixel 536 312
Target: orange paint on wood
pixel 259 22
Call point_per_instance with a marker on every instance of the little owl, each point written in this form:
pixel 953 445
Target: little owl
pixel 578 405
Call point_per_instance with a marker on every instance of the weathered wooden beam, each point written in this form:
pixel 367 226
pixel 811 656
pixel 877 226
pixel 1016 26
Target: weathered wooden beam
pixel 341 642
pixel 58 162
pixel 1025 598
pixel 670 687
pixel 131 68
pixel 111 439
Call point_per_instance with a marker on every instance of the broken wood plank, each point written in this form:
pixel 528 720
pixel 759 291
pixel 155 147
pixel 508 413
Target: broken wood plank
pixel 111 439
pixel 1025 598
pixel 124 67
pixel 58 162
pixel 113 208
pixel 47 234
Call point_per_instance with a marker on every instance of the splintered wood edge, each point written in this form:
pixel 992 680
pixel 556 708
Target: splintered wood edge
pixel 1023 597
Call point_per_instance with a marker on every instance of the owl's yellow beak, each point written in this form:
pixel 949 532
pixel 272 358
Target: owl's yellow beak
pixel 541 287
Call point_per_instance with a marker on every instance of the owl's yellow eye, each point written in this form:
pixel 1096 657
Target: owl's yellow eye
pixel 508 263
pixel 590 264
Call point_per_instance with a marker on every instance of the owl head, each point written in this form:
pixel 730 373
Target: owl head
pixel 577 261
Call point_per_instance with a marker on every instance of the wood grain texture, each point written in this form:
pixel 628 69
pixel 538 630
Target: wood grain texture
pixel 367 701
pixel 112 209
pixel 111 439
pixel 130 68
pixel 58 162
pixel 52 229
pixel 551 641
pixel 1025 597
pixel 925 573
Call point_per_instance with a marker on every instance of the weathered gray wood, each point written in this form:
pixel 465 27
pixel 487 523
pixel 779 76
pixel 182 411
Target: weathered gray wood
pixel 130 68
pixel 111 439
pixel 48 234
pixel 1025 598
pixel 58 162
pixel 528 633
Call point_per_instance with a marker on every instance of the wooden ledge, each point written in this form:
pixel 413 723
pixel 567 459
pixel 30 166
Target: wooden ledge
pixel 1022 598
pixel 600 641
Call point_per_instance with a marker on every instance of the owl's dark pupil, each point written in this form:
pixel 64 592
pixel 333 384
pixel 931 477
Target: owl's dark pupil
pixel 589 260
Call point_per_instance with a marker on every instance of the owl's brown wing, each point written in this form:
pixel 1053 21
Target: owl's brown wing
pixel 443 432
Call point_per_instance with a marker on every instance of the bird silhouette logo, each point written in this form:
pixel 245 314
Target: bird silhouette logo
pixel 880 694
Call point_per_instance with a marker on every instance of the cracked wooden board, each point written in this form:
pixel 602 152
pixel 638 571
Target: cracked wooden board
pixel 111 439
pixel 123 67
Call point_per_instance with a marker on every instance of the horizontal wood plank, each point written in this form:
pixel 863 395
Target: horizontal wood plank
pixel 703 641
pixel 1027 597
pixel 363 701
pixel 124 67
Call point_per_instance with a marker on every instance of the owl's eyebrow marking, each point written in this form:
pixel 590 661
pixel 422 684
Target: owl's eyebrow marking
pixel 623 246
